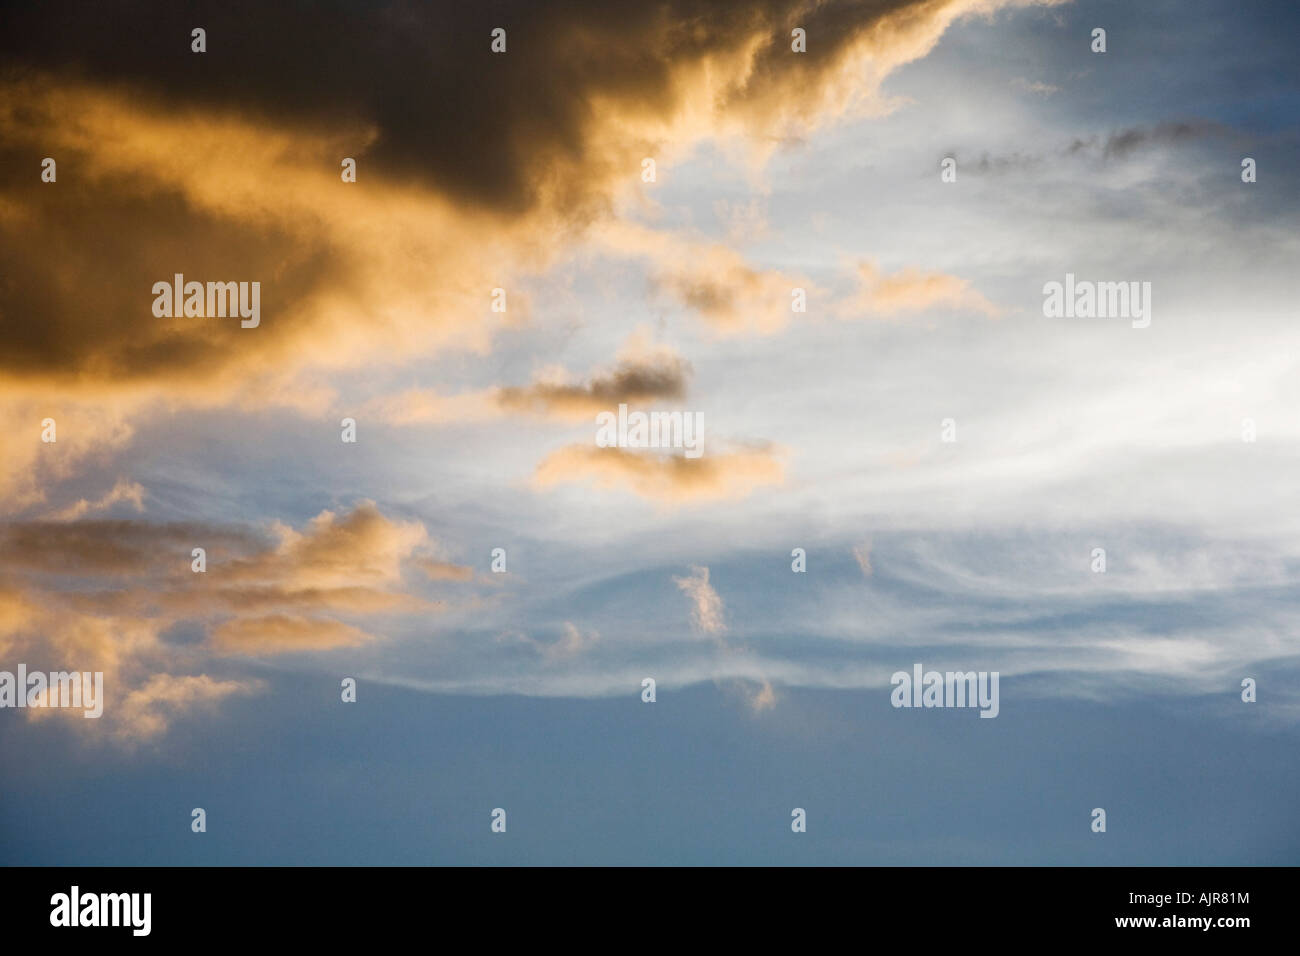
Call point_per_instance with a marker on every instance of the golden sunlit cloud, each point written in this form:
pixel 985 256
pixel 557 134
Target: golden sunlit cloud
pixel 147 709
pixel 911 290
pixel 661 477
pixel 709 278
pixel 253 598
pixel 122 491
pixel 645 373
pixel 281 633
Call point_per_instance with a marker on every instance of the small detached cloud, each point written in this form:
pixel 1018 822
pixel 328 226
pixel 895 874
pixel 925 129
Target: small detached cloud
pixel 642 376
pixel 644 373
pixel 862 554
pixel 708 615
pixel 670 479
pixel 910 290
pixel 1035 86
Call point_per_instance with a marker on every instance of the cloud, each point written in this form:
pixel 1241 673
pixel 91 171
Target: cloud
pixel 708 615
pixel 472 175
pixel 662 377
pixel 1036 86
pixel 443 570
pixel 862 554
pixel 1121 144
pixel 760 695
pixel 280 633
pixel 571 642
pixel 112 550
pixel 645 373
pixel 911 290
pixel 147 710
pixel 664 478
pixel 15 615
pixel 620 79
pixel 360 548
pixel 122 491
pixel 166 173
pixel 84 433
pixel 264 592
pixel 765 698
pixel 729 294
pixel 744 222
pixel 732 296
pixel 335 290
pixel 425 406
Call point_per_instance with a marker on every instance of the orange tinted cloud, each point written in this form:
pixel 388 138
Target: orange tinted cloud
pixel 660 378
pixel 732 296
pixel 443 570
pixel 122 491
pixel 147 709
pixel 257 597
pixel 660 477
pixel 643 374
pixel 911 290
pixel 280 633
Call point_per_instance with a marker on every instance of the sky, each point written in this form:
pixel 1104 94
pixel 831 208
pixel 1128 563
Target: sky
pixel 617 209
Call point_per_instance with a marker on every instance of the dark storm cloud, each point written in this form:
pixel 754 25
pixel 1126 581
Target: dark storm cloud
pixel 147 134
pixel 451 113
pixel 80 266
